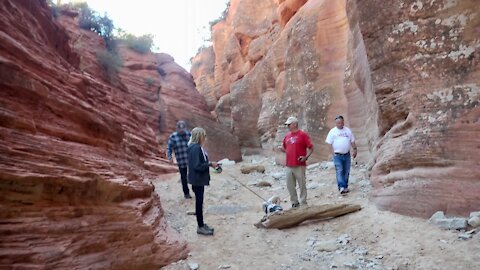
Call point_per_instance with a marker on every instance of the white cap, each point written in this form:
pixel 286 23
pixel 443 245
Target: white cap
pixel 291 119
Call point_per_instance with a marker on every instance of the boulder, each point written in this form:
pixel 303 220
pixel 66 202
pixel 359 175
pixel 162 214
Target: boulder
pixel 453 223
pixel 326 246
pixel 246 169
pixel 474 221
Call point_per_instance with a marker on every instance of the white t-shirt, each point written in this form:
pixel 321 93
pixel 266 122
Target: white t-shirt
pixel 340 139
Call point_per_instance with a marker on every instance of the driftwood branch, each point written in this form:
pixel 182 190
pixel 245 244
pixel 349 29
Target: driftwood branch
pixel 293 217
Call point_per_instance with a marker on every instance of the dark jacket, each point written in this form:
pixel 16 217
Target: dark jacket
pixel 198 169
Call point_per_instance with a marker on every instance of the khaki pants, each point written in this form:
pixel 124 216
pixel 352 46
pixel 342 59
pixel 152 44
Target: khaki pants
pixel 297 175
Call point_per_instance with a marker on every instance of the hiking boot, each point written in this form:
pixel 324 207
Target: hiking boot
pixel 188 196
pixel 204 231
pixel 208 227
pixel 295 205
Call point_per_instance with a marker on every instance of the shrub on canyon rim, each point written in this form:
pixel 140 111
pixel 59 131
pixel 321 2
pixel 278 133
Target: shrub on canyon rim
pixel 93 21
pixel 141 44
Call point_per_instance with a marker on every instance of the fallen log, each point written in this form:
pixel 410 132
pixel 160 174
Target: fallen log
pixel 293 217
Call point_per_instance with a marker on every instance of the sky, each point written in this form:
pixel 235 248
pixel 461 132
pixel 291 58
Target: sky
pixel 179 27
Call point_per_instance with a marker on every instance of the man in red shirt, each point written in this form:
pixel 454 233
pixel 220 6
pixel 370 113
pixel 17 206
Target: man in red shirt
pixel 298 148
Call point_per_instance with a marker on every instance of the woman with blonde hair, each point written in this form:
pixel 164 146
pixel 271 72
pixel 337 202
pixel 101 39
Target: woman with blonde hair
pixel 199 174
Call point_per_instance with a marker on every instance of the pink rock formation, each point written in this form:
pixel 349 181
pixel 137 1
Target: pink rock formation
pixel 273 60
pixel 404 73
pixel 78 150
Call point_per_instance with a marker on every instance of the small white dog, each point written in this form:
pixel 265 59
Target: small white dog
pixel 272 205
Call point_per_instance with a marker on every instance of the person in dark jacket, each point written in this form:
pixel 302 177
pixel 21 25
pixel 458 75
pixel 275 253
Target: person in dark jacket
pixel 199 174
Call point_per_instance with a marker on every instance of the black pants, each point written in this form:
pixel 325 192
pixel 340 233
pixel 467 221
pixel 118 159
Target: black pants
pixel 183 177
pixel 199 190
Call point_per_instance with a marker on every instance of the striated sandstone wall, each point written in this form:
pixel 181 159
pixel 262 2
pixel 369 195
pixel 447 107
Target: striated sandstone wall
pixel 282 58
pixel 404 73
pixel 256 86
pixel 78 150
pixel 424 61
pixel 162 91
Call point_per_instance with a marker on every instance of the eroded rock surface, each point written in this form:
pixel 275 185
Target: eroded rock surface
pixel 423 57
pixel 78 148
pixel 404 73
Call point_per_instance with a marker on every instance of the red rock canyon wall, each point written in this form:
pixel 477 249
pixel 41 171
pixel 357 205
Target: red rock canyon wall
pixel 78 150
pixel 424 61
pixel 404 73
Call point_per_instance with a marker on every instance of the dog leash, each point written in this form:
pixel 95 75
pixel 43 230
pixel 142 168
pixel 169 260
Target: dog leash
pixel 238 181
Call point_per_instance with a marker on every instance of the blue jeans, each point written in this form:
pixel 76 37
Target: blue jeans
pixel 342 167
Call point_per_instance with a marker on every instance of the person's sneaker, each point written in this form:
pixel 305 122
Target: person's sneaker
pixel 346 190
pixel 188 196
pixel 342 190
pixel 295 205
pixel 204 231
pixel 208 227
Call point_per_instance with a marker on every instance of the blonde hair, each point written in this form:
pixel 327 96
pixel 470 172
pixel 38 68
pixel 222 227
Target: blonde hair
pixel 198 135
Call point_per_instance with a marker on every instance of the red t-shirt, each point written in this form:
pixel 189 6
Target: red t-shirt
pixel 296 144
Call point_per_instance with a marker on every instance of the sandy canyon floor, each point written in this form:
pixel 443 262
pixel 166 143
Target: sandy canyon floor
pixel 368 239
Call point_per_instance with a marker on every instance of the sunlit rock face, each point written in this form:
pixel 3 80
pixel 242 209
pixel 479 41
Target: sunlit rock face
pixel 274 59
pixel 403 73
pixel 78 148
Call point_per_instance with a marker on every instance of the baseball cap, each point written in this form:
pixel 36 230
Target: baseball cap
pixel 290 120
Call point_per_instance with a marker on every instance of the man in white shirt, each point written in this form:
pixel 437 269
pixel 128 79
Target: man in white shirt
pixel 341 139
